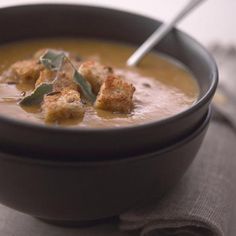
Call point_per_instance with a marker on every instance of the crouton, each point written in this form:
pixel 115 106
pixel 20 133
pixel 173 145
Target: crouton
pixel 63 105
pixel 64 78
pixel 26 71
pixel 46 76
pixel 95 73
pixel 115 95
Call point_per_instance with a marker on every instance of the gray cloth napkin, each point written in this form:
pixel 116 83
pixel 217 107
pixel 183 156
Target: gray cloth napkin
pixel 201 204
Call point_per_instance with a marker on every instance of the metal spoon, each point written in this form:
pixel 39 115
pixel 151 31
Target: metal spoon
pixel 160 33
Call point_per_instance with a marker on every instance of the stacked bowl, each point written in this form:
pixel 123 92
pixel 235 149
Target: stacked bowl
pixel 66 175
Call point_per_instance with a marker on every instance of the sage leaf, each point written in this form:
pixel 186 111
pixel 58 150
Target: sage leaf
pixel 84 85
pixel 36 97
pixel 53 59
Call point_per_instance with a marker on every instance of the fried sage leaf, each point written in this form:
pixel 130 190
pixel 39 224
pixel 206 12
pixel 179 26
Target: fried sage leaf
pixel 36 97
pixel 53 59
pixel 84 85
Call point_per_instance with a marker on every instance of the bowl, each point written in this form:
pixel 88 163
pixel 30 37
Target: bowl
pixel 69 192
pixel 54 143
pixel 75 175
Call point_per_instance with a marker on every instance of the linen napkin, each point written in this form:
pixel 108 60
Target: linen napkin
pixel 201 204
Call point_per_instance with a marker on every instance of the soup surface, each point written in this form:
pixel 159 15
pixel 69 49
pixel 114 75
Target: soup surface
pixel 163 87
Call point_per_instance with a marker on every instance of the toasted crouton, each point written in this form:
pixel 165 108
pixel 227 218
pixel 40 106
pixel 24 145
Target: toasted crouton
pixel 95 73
pixel 62 105
pixel 115 95
pixel 46 76
pixel 26 71
pixel 63 79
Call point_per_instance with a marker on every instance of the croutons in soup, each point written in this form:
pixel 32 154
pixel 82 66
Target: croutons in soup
pixel 86 83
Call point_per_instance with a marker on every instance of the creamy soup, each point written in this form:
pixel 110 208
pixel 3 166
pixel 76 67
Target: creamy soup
pixel 163 87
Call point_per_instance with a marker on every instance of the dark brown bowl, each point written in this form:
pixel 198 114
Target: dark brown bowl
pixel 67 192
pixel 65 174
pixel 54 143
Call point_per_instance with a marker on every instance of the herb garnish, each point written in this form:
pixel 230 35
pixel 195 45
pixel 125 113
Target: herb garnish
pixel 36 97
pixel 53 60
pixel 85 86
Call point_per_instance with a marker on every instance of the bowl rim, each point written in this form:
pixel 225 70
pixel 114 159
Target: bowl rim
pixel 71 129
pixel 150 155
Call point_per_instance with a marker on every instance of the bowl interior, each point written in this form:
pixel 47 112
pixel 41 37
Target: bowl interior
pixel 46 20
pixel 106 24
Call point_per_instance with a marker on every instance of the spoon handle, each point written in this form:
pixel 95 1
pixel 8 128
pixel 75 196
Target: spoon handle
pixel 160 33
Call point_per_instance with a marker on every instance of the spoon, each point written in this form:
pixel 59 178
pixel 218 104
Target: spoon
pixel 160 33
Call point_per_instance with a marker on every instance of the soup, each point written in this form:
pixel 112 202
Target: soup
pixel 93 87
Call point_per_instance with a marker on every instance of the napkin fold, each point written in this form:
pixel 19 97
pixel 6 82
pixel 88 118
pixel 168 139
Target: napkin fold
pixel 201 204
